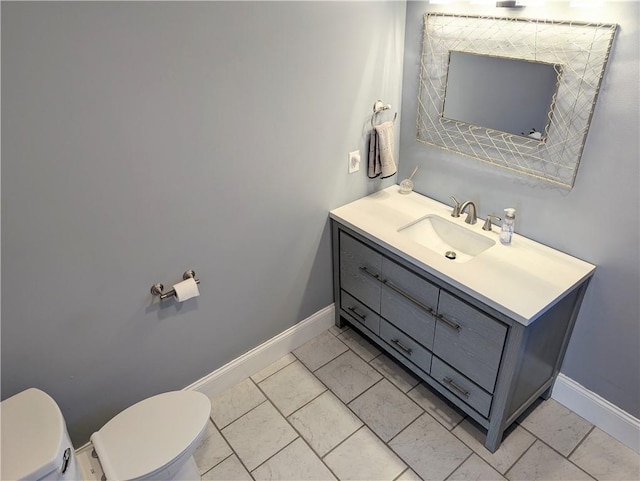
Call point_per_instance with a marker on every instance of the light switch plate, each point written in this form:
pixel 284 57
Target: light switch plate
pixel 354 161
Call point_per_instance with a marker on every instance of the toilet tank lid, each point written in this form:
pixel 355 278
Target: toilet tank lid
pixel 32 435
pixel 150 434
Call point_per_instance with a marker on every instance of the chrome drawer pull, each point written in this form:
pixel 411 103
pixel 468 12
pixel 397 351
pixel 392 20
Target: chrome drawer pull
pixel 360 316
pixel 450 382
pixel 369 273
pixel 406 349
pixel 449 323
pixel 408 297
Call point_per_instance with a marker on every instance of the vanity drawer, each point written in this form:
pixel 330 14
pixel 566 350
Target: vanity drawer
pixel 469 340
pixel 359 312
pixel 462 387
pixel 405 346
pixel 411 316
pixel 409 285
pixel 360 268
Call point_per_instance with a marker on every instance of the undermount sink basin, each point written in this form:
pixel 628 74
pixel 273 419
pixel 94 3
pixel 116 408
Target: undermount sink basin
pixel 456 242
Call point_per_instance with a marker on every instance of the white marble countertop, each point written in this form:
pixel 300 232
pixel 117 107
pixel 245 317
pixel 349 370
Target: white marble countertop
pixel 522 280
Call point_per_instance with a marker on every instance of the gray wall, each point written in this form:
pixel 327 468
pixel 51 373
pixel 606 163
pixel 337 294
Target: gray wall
pixel 596 221
pixel 143 139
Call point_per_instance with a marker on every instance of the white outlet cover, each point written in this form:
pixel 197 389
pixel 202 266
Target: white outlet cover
pixel 354 161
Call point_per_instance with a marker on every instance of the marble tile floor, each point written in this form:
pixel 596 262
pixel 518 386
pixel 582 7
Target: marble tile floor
pixel 338 408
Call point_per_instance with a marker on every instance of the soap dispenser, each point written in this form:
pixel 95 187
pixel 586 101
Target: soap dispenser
pixel 506 233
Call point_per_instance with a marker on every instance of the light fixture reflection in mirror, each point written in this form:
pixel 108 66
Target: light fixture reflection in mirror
pixel 511 95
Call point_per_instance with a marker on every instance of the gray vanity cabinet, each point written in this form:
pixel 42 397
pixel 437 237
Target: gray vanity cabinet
pixel 490 366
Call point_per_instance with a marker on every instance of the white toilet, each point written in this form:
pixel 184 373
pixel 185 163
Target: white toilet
pixel 153 439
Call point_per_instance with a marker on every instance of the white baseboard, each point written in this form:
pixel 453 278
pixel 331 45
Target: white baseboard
pixel 266 353
pixel 598 411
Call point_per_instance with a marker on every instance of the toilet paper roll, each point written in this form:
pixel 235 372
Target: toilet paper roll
pixel 186 289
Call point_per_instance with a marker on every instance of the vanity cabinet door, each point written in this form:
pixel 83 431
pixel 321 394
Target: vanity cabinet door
pixel 469 340
pixel 360 269
pixel 359 312
pixel 409 302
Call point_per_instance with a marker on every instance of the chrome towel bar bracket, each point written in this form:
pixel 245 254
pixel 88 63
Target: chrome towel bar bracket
pixel 379 107
pixel 157 289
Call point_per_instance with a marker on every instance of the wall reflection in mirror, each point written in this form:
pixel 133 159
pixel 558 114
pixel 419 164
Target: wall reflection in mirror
pixel 511 95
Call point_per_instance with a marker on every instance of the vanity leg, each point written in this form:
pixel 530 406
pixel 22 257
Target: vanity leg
pixel 494 438
pixel 335 242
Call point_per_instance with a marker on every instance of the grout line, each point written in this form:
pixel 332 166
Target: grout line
pixel 326 388
pixel 407 426
pixel 234 452
pixel 465 460
pixel 450 429
pixel 520 457
pixel 552 449
pixel 275 372
pixel 317 455
pixel 565 457
pixel 324 364
pixel 386 443
pixel 581 441
pixel 285 419
pixel 342 329
pixel 307 403
pixel 274 455
pixel 219 462
pixel 361 394
pixel 220 428
pixel 400 475
pixel 389 378
pixel 356 341
pixel 482 445
pixel 462 419
pixel 243 415
pixel 343 441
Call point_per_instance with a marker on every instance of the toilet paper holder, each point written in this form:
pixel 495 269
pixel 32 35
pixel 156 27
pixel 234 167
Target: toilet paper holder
pixel 157 288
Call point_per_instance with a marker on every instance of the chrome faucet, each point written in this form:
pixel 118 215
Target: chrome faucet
pixel 471 215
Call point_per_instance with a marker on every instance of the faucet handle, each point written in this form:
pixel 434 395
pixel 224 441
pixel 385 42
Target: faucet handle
pixel 456 207
pixel 487 223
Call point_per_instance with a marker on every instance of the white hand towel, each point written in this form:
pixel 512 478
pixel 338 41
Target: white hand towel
pixel 385 147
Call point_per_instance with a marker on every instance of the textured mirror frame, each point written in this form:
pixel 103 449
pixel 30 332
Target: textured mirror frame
pixel 580 50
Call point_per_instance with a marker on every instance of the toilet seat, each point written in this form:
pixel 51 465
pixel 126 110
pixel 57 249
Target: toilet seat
pixel 150 435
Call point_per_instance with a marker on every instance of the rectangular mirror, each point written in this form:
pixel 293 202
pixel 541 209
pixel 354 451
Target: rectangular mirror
pixel 511 95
